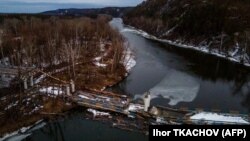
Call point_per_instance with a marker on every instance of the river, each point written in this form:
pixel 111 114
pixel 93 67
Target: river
pixel 76 128
pixel 175 77
pixel 184 78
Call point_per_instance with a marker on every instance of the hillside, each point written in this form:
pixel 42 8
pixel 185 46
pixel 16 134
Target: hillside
pixel 93 12
pixel 222 27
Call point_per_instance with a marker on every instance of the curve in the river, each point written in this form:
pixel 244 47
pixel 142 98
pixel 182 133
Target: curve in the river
pixel 183 77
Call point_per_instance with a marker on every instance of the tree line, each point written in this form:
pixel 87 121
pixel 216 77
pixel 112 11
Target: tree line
pixel 223 24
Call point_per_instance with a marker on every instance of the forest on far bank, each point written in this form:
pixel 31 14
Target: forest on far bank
pixel 220 25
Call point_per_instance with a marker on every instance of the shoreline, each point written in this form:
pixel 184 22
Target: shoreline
pixel 202 49
pixel 128 63
pixel 29 124
pixel 24 132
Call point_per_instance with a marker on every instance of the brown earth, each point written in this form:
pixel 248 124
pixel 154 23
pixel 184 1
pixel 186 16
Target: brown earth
pixel 89 76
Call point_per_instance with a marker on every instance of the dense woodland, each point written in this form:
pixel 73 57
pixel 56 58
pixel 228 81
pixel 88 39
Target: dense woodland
pixel 219 24
pixel 42 41
pixel 58 49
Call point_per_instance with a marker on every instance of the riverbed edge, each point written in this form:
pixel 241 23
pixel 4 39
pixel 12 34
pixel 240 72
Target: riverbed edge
pixel 186 46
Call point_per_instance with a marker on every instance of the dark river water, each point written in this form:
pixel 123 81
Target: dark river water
pixel 184 78
pixel 76 128
pixel 175 77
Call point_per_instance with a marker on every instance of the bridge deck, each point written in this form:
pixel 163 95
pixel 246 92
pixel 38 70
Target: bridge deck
pixel 109 103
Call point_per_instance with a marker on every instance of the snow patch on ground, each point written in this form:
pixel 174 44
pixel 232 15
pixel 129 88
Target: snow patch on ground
pixel 98 58
pixel 129 60
pixel 11 105
pixel 218 118
pixel 37 108
pixel 100 64
pixel 98 113
pixel 38 80
pixel 51 90
pixel 102 47
pixel 86 97
pixel 161 120
pixel 135 107
pixel 93 98
pixel 97 61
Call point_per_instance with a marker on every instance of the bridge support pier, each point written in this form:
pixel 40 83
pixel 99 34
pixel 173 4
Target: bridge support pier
pixel 68 90
pixel 25 84
pixel 73 89
pixel 146 100
pixel 59 90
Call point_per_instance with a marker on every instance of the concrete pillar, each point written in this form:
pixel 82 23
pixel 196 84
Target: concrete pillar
pixel 31 81
pixel 25 84
pixel 59 89
pixel 72 83
pixel 146 99
pixel 53 90
pixel 68 90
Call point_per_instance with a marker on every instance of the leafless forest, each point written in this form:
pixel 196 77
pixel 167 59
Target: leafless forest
pixel 55 51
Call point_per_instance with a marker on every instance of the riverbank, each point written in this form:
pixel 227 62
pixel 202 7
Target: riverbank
pixel 163 67
pixel 82 124
pixel 47 102
pixel 204 49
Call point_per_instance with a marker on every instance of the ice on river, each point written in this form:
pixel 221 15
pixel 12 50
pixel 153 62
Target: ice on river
pixel 219 118
pixel 177 87
pixel 22 133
